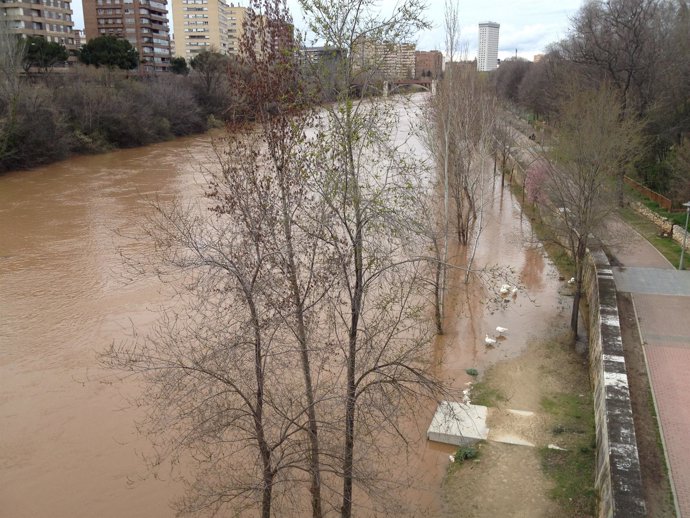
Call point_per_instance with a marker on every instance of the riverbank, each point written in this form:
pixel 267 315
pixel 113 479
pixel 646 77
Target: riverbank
pixel 47 118
pixel 550 381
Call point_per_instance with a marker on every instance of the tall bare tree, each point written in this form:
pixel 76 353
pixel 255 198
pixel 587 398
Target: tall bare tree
pixel 437 138
pixel 284 111
pixel 366 183
pixel 620 41
pixel 12 51
pixel 593 142
pixel 299 340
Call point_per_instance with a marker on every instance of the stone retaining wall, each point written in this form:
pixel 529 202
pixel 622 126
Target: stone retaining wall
pixel 665 226
pixel 618 479
pixel 679 234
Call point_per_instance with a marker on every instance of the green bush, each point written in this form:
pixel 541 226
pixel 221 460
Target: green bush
pixel 464 453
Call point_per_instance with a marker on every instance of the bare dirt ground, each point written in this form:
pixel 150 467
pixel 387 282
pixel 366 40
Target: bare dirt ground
pixel 655 483
pixel 509 480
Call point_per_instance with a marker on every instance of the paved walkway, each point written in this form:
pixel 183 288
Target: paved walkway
pixel 661 296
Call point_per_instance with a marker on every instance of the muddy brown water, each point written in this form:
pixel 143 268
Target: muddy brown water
pixel 68 442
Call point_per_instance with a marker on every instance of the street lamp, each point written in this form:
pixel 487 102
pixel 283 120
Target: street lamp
pixel 685 236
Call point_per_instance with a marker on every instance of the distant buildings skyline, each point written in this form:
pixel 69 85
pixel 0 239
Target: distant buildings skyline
pixel 390 60
pixel 529 27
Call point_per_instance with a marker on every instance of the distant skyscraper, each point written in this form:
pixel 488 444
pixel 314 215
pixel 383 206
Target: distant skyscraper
pixel 487 55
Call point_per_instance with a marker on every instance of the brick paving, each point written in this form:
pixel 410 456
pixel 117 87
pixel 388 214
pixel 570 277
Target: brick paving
pixel 662 302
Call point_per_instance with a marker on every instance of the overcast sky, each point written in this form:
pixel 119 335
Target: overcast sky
pixel 527 25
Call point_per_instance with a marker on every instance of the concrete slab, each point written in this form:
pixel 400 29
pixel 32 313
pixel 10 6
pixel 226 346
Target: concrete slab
pixel 459 424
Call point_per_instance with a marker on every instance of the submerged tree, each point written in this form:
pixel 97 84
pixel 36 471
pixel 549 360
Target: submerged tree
pixel 366 182
pixel 299 340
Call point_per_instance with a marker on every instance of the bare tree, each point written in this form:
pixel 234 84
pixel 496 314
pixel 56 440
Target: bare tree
pixel 451 24
pixel 250 270
pixel 472 113
pixel 437 138
pixel 504 137
pixel 593 141
pixel 366 183
pixel 12 51
pixel 284 111
pixel 302 266
pixel 620 41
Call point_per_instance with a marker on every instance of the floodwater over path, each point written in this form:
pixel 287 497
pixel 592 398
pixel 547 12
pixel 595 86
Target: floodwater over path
pixel 68 443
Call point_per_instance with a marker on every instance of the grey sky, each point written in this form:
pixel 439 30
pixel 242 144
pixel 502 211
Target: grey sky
pixel 528 26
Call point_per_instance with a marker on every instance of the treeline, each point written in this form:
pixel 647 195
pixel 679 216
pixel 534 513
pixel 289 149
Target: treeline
pixel 47 117
pixel 47 114
pixel 641 48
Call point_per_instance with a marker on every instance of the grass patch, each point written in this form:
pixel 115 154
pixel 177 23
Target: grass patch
pixel 572 474
pixel 650 231
pixel 572 471
pixel 483 394
pixel 463 454
pixel 566 407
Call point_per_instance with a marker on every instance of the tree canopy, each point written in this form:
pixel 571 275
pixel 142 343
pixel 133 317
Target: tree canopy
pixel 110 52
pixel 179 65
pixel 42 53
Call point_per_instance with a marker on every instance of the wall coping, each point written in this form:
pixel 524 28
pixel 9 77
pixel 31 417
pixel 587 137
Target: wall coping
pixel 619 479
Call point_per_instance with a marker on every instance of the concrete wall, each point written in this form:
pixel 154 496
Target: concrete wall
pixel 618 480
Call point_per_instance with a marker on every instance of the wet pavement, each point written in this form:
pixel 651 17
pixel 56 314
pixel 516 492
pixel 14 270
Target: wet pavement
pixel 661 296
pixel 653 281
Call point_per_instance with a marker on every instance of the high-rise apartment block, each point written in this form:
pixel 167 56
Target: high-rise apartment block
pixel 211 25
pixel 51 19
pixel 144 23
pixel 487 53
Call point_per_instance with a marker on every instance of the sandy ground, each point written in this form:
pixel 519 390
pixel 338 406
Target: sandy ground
pixel 507 480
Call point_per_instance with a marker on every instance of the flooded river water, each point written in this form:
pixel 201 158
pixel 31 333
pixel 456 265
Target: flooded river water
pixel 68 442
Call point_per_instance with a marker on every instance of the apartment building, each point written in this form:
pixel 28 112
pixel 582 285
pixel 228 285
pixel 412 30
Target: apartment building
pixel 428 64
pixel 144 23
pixel 236 17
pixel 207 25
pixel 386 60
pixel 487 53
pixel 51 19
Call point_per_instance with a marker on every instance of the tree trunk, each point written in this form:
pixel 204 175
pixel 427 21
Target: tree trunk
pixel 264 449
pixel 301 331
pixel 356 308
pixel 579 269
pixel 438 298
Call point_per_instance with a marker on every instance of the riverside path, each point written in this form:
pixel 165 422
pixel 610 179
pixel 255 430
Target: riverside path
pixel 661 297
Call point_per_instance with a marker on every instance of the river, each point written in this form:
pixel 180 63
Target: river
pixel 68 442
